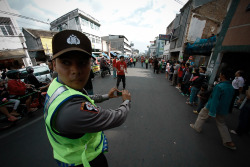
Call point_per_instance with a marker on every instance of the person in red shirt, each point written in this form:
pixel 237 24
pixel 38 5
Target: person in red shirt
pixel 180 75
pixel 114 67
pixel 18 88
pixel 121 67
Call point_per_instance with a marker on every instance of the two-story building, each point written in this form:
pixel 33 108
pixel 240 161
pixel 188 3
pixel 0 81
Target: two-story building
pixel 118 43
pixel 13 50
pixel 83 22
pixel 197 20
pixel 232 48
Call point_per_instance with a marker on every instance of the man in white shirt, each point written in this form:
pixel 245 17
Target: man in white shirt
pixel 238 84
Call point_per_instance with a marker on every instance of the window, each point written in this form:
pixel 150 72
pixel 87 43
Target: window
pixel 85 22
pixel 7 30
pixel 93 40
pixel 6 26
pixel 92 25
pixel 3 30
pixel 98 40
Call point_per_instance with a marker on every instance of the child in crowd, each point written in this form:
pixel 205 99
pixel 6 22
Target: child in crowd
pixel 203 96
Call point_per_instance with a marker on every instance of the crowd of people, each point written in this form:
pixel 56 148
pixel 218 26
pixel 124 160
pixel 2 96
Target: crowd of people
pixel 216 100
pixel 75 124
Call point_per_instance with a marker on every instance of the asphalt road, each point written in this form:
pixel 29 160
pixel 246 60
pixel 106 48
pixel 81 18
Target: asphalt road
pixel 155 134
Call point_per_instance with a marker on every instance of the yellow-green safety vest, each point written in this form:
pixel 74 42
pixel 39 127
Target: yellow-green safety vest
pixel 72 152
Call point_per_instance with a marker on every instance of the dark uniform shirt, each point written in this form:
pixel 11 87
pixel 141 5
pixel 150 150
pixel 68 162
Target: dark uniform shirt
pixel 75 119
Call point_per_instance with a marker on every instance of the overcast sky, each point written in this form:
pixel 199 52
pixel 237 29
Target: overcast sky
pixel 139 20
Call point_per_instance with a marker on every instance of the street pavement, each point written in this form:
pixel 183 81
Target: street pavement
pixel 155 134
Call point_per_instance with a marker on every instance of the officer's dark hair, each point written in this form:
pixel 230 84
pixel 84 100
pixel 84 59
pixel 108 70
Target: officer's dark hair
pixel 227 73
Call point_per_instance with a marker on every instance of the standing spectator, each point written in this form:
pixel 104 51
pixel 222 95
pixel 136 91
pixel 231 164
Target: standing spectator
pixel 142 61
pixel 146 63
pixel 180 76
pixel 134 61
pixel 150 62
pixel 167 69
pixel 203 96
pixel 159 66
pixel 238 84
pixel 244 118
pixel 171 71
pixel 186 82
pixel 198 79
pixel 156 65
pixel 175 74
pixel 121 69
pixel 114 67
pixel 218 107
pixel 131 61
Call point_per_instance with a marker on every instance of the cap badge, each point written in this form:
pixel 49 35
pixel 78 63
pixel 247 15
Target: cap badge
pixel 72 39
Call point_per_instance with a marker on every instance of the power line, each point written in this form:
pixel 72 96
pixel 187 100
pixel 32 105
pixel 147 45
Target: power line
pixel 29 24
pixel 25 17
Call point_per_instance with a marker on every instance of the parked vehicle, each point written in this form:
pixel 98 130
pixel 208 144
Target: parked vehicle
pixel 42 73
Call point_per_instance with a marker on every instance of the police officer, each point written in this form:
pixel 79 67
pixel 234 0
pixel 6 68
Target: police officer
pixel 74 124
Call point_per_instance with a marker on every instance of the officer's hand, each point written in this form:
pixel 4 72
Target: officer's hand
pixel 111 92
pixel 126 95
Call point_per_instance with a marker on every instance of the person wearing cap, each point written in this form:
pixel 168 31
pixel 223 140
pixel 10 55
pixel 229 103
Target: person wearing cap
pixel 74 124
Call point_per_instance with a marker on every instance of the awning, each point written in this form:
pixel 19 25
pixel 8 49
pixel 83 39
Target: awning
pixel 125 56
pixel 12 54
pixel 113 53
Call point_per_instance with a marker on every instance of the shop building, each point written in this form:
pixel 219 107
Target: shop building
pixel 39 44
pixel 13 50
pixel 232 48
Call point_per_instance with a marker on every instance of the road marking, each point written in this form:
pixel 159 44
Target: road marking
pixel 22 127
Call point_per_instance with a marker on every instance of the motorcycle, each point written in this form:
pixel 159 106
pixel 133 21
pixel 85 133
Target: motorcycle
pixel 105 71
pixel 37 102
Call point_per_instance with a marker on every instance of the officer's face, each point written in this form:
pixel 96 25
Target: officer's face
pixel 73 70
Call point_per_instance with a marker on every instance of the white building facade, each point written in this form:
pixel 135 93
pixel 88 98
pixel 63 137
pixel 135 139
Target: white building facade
pixel 13 50
pixel 80 21
pixel 118 43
